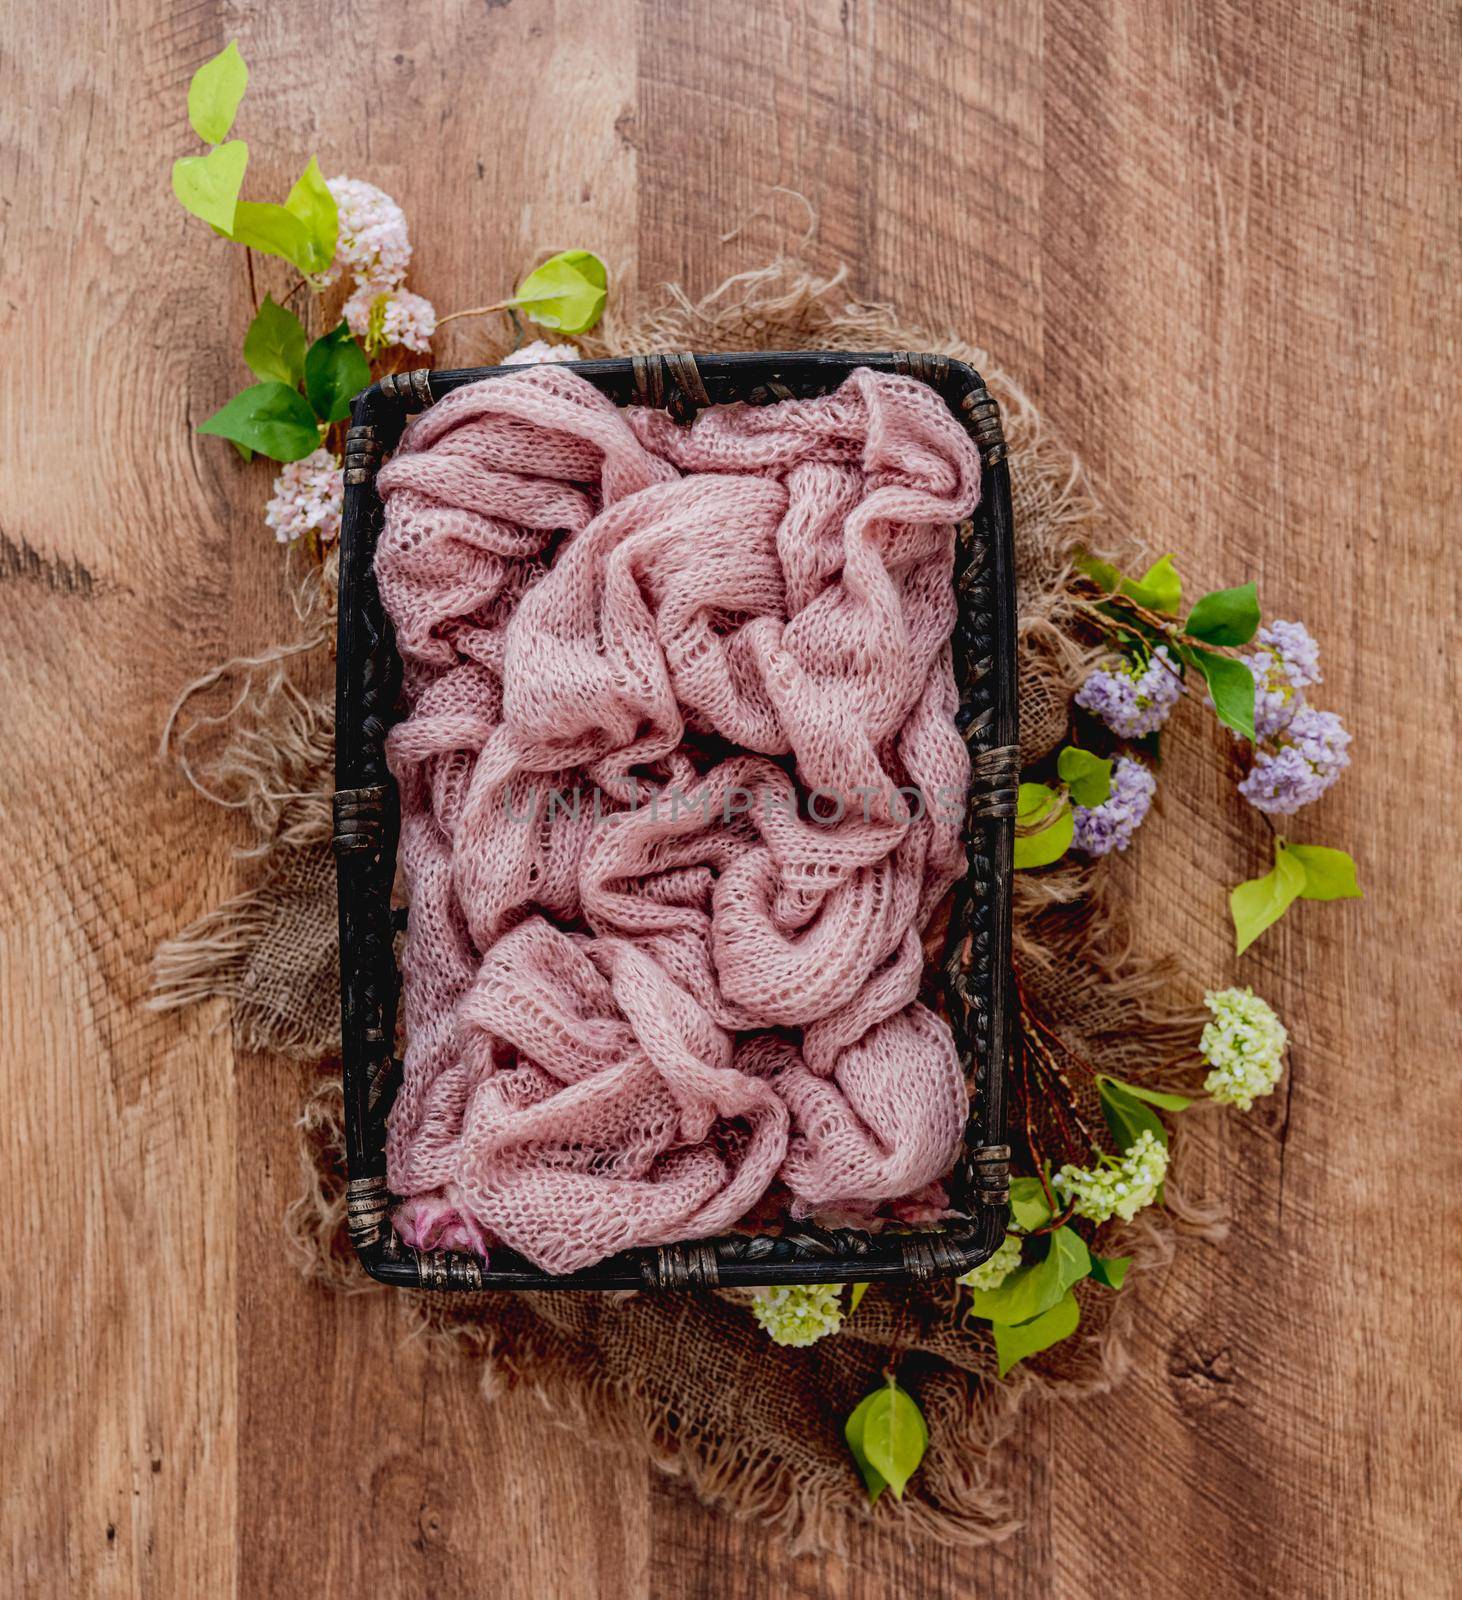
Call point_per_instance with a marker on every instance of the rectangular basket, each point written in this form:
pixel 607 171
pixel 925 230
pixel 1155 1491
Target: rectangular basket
pixel 975 977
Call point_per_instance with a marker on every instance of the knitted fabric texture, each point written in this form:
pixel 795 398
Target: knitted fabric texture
pixel 688 1380
pixel 680 784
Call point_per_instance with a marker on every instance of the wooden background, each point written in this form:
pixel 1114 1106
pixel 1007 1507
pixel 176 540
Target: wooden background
pixel 1218 242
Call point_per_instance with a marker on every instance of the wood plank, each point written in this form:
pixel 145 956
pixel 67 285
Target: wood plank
pixel 880 117
pixel 1238 331
pixel 496 129
pixel 118 1145
pixel 366 1459
pixel 1216 244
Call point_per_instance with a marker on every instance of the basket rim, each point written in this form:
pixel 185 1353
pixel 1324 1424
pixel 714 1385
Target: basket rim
pixel 365 810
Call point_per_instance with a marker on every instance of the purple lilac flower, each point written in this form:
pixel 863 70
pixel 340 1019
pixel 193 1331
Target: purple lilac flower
pixel 1295 651
pixel 1133 699
pixel 1110 825
pixel 1299 765
pixel 1287 661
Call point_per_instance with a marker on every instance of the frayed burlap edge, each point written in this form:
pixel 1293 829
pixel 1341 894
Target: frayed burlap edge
pixel 274 767
pixel 741 1477
pixel 269 754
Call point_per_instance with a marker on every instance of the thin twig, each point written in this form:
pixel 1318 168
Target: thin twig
pixel 474 311
pixel 1047 1058
pixel 1154 619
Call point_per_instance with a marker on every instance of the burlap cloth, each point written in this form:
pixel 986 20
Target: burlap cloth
pixel 688 1379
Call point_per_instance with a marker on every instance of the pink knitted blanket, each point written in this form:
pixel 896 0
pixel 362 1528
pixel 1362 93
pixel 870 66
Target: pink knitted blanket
pixel 680 785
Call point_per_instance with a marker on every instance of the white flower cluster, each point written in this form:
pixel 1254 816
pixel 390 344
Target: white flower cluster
pixel 308 497
pixel 992 1273
pixel 540 350
pixel 1116 1188
pixel 373 245
pixel 799 1314
pixel 1244 1045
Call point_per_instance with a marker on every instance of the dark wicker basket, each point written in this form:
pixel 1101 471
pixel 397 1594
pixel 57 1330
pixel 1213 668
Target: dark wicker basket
pixel 976 976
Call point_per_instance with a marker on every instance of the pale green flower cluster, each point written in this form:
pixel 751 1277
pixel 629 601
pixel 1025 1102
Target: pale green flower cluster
pixel 992 1273
pixel 799 1314
pixel 1116 1188
pixel 1244 1044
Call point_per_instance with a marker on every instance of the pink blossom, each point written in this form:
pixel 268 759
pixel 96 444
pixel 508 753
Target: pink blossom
pixel 372 243
pixel 381 317
pixel 529 355
pixel 308 496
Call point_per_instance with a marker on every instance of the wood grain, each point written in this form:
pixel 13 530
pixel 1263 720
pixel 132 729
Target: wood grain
pixel 1218 244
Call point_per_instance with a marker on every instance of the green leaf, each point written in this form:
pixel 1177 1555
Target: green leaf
pixel 1015 1343
pixel 1035 1288
pixel 1227 616
pixel 275 232
pixel 873 1480
pixel 274 346
pixel 1026 1293
pixel 1029 1208
pixel 208 186
pixel 1110 1271
pixel 1159 589
pixel 1039 807
pixel 893 1436
pixel 1088 778
pixel 1127 1117
pixel 271 418
pixel 336 370
pixel 214 94
pixel 1154 1097
pixel 1329 874
pixel 1261 902
pixel 1232 686
pixel 566 293
pixel 855 1299
pixel 312 203
pixel 1069 1258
